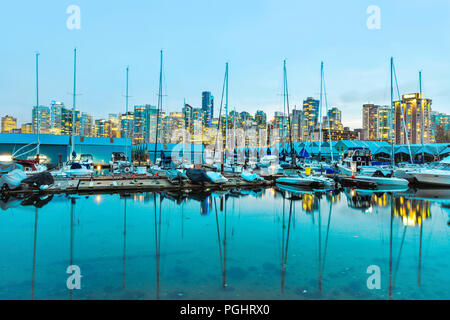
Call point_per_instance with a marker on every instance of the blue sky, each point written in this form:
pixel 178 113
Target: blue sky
pixel 198 37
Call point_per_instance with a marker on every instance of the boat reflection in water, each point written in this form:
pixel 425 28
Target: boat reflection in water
pixel 275 243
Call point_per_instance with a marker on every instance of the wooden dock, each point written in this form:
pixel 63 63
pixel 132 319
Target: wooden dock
pixel 126 184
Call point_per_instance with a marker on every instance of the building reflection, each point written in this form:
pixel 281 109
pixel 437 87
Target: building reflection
pixel 412 211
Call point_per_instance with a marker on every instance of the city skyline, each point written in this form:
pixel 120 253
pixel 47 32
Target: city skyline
pixel 379 122
pixel 356 58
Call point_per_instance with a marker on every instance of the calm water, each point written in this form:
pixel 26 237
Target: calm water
pixel 265 244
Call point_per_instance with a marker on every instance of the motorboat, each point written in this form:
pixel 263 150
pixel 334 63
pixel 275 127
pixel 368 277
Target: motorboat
pixel 119 163
pixel 74 168
pixel 356 159
pixel 383 180
pixel 439 176
pixel 301 180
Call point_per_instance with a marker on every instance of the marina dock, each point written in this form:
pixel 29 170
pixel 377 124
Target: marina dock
pixel 142 183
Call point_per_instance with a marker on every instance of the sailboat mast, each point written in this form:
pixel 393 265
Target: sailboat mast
pixel 392 115
pixel 74 99
pixel 286 94
pixel 320 109
pixel 159 104
pixel 421 115
pixel 328 116
pixel 126 116
pixel 38 120
pixel 226 108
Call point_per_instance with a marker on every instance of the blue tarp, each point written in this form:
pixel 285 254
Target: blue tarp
pixel 303 153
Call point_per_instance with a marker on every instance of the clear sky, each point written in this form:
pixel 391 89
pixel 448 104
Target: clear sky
pixel 198 37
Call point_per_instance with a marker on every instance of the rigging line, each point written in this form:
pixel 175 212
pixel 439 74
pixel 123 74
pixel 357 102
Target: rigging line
pixel 399 255
pixel 34 254
pixel 326 238
pixel 287 236
pixel 224 278
pixel 403 114
pixel 218 235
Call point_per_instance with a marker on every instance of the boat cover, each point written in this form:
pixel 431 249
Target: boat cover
pixel 197 175
pixel 40 179
pixel 250 177
pixel 13 179
pixel 216 177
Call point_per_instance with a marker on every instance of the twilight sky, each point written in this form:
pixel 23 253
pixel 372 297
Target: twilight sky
pixel 198 37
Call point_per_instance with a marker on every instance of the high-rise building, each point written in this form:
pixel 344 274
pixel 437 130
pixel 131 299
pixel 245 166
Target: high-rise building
pixel 152 117
pixel 370 123
pixel 296 123
pixel 384 123
pixel 8 124
pixel 334 115
pixel 56 109
pixel 86 129
pixel 413 115
pixel 187 116
pixel 26 128
pixel 261 119
pixel 123 123
pixel 310 117
pixel 102 128
pixel 66 121
pixel 440 120
pixel 208 108
pixel 197 125
pixel 41 119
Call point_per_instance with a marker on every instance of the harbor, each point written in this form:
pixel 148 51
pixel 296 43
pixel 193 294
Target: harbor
pixel 272 243
pixel 225 159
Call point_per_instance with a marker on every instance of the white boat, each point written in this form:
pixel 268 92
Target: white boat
pixel 216 177
pixel 327 182
pixel 250 176
pixel 298 180
pixel 439 176
pixel 383 181
pixel 370 170
pixel 432 177
pixel 74 168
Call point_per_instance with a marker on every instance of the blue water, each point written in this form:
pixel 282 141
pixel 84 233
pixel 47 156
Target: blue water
pixel 273 244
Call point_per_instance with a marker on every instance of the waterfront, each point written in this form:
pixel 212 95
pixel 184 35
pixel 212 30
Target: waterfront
pixel 262 244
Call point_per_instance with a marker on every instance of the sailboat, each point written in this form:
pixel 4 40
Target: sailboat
pixel 158 163
pixel 33 164
pixel 119 160
pixel 301 179
pixel 223 160
pixel 378 177
pixel 74 167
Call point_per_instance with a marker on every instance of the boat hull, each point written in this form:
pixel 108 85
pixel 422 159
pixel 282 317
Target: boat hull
pixel 382 181
pixel 432 178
